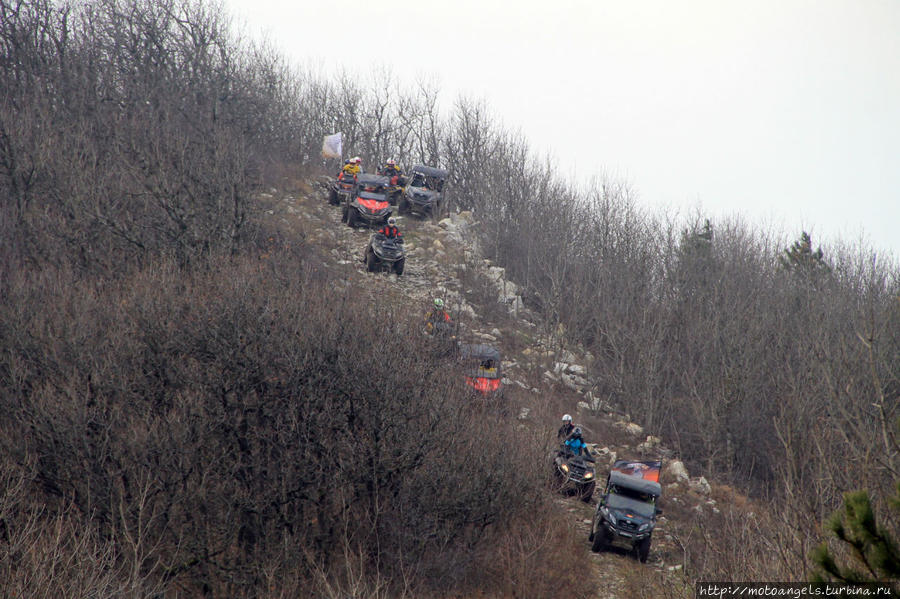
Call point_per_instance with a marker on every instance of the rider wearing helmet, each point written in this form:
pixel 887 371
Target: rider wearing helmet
pixel 437 313
pixel 352 166
pixel 566 429
pixel 576 444
pixel 391 170
pixel 390 230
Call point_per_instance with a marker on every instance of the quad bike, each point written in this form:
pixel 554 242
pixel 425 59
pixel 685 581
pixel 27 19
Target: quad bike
pixel 574 473
pixel 341 189
pixel 385 253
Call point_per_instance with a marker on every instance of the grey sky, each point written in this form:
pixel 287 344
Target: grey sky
pixel 786 112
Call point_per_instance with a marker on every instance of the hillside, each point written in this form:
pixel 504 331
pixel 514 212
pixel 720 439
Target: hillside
pixel 204 393
pixel 543 377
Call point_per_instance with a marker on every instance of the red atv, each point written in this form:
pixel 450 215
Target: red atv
pixel 368 203
pixel 482 368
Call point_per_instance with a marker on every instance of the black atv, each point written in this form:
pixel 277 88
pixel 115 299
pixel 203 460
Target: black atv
pixel 424 192
pixel 368 204
pixel 385 253
pixel 395 186
pixel 341 189
pixel 574 473
pixel 626 514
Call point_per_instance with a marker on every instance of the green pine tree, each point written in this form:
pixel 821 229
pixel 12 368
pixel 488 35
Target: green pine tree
pixel 875 556
pixel 695 258
pixel 801 259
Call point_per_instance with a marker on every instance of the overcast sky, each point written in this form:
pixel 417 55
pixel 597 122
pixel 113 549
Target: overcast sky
pixel 786 112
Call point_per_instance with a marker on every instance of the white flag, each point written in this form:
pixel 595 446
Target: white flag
pixel 331 146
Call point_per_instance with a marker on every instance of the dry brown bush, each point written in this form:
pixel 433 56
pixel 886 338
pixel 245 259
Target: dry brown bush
pixel 225 427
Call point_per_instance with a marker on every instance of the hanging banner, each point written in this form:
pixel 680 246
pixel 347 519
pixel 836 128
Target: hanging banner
pixel 331 146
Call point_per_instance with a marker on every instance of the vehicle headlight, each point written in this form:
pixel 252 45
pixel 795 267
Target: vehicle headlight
pixel 643 527
pixel 588 475
pixel 564 467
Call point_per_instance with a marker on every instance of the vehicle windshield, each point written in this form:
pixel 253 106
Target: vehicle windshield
pixel 368 195
pixel 623 498
pixel 485 368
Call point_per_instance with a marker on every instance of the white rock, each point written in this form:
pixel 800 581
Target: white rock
pixel 445 223
pixel 701 486
pixel 549 376
pixel 523 413
pixel 437 244
pixel 580 381
pixel 577 369
pixel 496 332
pixel 676 470
pixel 633 428
pixel 495 273
pixel 584 405
pixel 559 367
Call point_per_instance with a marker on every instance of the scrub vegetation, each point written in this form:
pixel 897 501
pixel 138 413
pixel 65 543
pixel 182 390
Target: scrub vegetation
pixel 192 404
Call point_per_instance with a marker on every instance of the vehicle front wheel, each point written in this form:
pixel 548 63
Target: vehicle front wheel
pixel 344 214
pixel 599 541
pixel 333 198
pixel 370 260
pixel 351 218
pixel 402 206
pixel 398 266
pixel 643 550
pixel 587 492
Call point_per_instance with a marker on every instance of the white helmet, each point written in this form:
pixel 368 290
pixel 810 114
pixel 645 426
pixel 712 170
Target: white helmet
pixel 567 418
pixel 356 159
pixel 390 162
pixel 392 221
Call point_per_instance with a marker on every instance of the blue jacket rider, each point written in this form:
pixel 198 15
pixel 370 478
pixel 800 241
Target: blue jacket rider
pixel 575 443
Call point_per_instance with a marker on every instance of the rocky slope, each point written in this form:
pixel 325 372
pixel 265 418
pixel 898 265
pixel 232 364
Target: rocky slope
pixel 546 376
